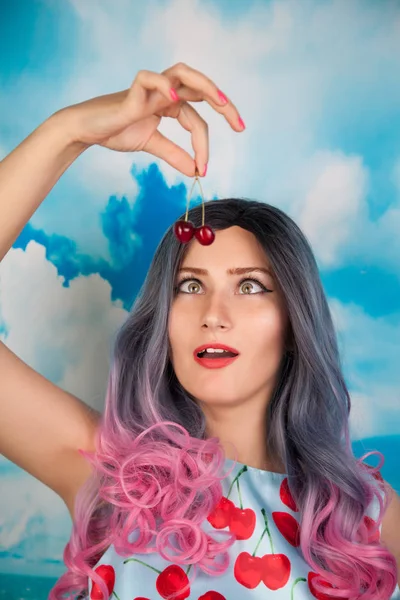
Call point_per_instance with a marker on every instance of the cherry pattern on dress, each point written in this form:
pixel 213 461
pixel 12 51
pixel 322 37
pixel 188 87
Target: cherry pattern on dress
pixel 241 521
pixel 273 570
pixel 107 573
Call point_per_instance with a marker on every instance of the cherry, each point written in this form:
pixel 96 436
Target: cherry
pixel 275 570
pixel 321 595
pixel 248 570
pixel 370 523
pixel 184 231
pixel 286 495
pixel 172 581
pixel 221 515
pixel 242 522
pixel 376 475
pixel 107 573
pixel 288 526
pixel 204 235
pixel 212 595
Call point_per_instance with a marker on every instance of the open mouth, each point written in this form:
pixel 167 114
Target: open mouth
pixel 215 353
pixel 215 358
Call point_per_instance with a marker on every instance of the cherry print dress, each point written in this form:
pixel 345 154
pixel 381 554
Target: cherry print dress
pixel 265 560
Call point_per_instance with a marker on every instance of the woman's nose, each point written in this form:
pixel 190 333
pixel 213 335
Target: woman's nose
pixel 216 312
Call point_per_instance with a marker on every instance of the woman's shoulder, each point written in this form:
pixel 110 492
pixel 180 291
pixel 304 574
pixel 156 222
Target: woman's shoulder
pixel 390 534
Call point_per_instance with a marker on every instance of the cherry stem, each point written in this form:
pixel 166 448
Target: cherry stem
pixel 142 563
pixel 240 495
pixel 117 597
pixel 196 179
pixel 242 470
pixel 187 572
pixel 266 530
pixel 296 581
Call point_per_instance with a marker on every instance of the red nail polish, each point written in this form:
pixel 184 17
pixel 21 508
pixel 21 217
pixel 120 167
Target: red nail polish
pixel 174 95
pixel 205 170
pixel 222 97
pixel 241 123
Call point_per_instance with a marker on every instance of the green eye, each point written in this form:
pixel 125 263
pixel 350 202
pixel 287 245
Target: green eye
pixel 247 285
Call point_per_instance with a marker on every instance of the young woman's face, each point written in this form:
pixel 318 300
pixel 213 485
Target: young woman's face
pixel 216 303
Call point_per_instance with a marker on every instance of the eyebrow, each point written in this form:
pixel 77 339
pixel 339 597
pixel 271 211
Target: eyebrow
pixel 234 271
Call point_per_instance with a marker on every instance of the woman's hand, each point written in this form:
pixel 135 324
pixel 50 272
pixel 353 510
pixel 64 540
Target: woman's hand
pixel 127 121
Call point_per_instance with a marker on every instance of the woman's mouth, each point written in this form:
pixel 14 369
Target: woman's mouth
pixel 215 356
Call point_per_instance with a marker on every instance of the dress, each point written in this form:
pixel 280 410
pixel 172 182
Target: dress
pixel 277 571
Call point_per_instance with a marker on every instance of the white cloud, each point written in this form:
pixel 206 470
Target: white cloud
pixel 369 349
pixel 375 412
pixel 280 85
pixel 34 524
pixel 283 63
pixel 334 204
pixel 105 172
pixel 64 333
pixel 362 418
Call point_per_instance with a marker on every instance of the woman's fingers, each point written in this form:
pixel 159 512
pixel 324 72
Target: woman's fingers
pixel 139 102
pixel 153 94
pixel 160 146
pixel 191 86
pixel 190 120
pixel 194 86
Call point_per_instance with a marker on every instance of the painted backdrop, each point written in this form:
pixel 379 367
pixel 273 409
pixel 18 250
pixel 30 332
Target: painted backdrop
pixel 317 85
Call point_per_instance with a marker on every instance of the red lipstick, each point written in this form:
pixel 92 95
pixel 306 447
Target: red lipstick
pixel 217 361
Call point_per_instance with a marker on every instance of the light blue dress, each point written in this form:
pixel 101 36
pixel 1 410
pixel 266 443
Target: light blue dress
pixel 265 563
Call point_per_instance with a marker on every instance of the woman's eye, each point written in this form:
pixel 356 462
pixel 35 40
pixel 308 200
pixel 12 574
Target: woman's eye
pixel 179 286
pixel 251 282
pixel 194 285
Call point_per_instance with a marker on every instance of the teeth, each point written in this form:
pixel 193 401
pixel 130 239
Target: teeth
pixel 212 351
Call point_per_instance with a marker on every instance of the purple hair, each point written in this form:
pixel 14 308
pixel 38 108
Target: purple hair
pixel 154 470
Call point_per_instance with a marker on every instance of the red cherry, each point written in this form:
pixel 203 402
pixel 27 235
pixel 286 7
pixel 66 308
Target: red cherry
pixel 321 595
pixel 288 526
pixel 370 523
pixel 286 495
pixel 172 580
pixel 275 570
pixel 204 235
pixel 376 475
pixel 184 231
pixel 242 523
pixel 211 595
pixel 107 573
pixel 220 517
pixel 248 570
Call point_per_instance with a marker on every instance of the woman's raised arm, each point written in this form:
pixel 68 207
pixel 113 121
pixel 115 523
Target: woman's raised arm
pixel 42 427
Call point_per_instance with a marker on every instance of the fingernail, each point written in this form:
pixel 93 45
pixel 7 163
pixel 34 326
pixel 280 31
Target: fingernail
pixel 222 97
pixel 174 95
pixel 205 170
pixel 241 123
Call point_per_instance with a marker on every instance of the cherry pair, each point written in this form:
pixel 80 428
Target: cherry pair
pixel 184 230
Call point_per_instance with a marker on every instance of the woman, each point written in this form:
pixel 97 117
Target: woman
pixel 222 466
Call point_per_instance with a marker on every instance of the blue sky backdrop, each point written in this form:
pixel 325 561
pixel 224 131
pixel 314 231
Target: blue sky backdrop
pixel 317 85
